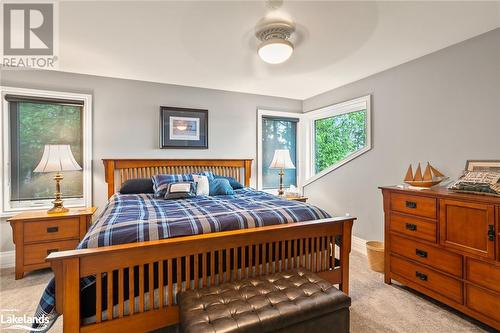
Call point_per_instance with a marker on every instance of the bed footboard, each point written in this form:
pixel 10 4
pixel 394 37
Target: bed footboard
pixel 171 265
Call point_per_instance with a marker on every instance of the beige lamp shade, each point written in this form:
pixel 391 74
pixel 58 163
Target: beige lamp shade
pixel 57 158
pixel 281 160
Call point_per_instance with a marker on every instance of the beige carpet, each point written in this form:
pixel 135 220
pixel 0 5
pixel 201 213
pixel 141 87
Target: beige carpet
pixel 376 307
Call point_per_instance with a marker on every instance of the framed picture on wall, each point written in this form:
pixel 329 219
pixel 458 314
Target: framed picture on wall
pixel 183 128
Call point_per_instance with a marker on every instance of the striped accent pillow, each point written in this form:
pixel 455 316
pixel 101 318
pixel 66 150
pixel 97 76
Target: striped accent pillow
pixel 160 182
pixel 181 190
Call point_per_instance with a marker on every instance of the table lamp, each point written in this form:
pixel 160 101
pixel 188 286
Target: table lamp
pixel 281 161
pixel 57 158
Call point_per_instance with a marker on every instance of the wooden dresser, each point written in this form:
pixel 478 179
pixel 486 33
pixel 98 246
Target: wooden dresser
pixel 445 245
pixel 36 234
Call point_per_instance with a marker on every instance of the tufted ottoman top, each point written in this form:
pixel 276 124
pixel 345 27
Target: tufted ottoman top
pixel 265 303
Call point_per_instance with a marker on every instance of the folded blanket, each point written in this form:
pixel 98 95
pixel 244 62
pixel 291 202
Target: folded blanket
pixel 480 182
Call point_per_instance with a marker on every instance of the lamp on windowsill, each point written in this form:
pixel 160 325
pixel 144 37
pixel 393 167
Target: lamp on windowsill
pixel 57 158
pixel 281 161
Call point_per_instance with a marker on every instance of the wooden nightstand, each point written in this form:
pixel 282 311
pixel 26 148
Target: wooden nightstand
pixel 37 234
pixel 301 199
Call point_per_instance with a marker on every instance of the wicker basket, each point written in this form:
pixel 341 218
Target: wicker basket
pixel 375 253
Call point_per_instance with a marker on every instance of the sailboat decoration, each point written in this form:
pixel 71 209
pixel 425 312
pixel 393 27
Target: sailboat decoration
pixel 431 176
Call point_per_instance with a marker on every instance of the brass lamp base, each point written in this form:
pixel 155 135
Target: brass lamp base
pixel 281 190
pixel 57 209
pixel 58 202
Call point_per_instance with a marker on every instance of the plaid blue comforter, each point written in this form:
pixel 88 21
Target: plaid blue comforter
pixel 141 217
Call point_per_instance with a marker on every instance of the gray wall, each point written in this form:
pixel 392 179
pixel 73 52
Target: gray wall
pixel 126 118
pixel 443 108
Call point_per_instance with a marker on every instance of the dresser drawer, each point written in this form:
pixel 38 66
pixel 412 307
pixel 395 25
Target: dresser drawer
pixel 413 227
pixel 484 274
pixel 36 253
pixel 440 259
pixel 428 278
pixel 484 302
pixel 414 205
pixel 52 229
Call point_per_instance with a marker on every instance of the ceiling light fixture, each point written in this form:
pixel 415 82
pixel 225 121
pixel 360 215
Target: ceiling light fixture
pixel 276 46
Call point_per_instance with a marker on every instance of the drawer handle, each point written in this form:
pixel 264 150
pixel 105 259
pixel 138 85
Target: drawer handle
pixel 52 229
pixel 421 276
pixel 411 226
pixel 491 232
pixel 49 251
pixel 421 253
pixel 411 204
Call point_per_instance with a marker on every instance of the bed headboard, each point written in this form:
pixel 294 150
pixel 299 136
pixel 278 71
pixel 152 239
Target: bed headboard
pixel 117 171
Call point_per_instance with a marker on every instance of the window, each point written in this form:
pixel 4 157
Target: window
pixel 277 130
pixel 337 137
pixel 32 119
pixel 339 133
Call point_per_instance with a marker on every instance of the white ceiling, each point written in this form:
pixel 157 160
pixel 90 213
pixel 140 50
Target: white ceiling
pixel 211 44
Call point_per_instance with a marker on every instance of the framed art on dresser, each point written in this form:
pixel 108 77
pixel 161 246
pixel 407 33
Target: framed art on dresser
pixel 483 165
pixel 183 128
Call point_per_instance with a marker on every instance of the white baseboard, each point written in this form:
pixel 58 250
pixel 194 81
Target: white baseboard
pixel 359 245
pixel 7 259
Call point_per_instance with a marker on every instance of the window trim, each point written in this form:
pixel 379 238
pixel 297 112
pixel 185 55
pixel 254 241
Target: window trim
pixel 356 104
pixel 261 113
pixel 7 208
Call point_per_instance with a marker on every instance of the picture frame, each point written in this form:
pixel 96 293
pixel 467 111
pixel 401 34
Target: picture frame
pixel 183 128
pixel 482 165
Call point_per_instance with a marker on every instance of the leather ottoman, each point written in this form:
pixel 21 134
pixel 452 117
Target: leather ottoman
pixel 293 301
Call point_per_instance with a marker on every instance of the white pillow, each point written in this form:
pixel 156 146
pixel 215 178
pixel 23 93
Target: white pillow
pixel 202 187
pixel 180 187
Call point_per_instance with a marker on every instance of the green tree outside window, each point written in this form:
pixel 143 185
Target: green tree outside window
pixel 33 125
pixel 338 137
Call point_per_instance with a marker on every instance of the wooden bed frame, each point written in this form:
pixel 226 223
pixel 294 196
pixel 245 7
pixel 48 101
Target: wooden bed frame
pixel 251 251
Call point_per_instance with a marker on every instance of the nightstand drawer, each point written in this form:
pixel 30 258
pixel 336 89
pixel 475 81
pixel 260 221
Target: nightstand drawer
pixel 428 278
pixel 414 227
pixel 442 260
pixel 52 229
pixel 36 253
pixel 414 205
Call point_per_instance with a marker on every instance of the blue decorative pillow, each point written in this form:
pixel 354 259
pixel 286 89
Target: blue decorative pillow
pixel 220 186
pixel 180 190
pixel 137 186
pixel 233 182
pixel 160 182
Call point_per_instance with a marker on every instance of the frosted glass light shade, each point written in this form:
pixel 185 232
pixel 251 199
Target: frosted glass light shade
pixel 281 160
pixel 275 51
pixel 57 158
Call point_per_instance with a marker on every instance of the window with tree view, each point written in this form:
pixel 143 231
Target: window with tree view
pixel 338 137
pixel 278 133
pixel 340 132
pixel 33 124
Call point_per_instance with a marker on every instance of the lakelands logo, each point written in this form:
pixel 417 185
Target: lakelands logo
pixel 29 35
pixel 9 320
